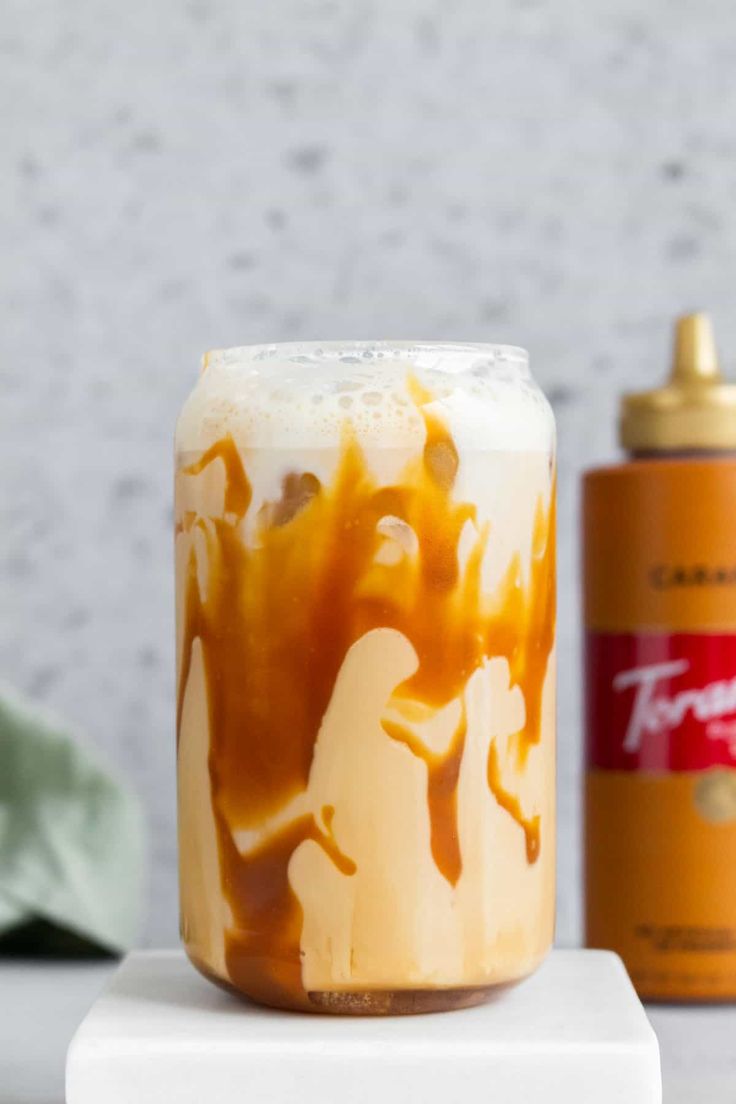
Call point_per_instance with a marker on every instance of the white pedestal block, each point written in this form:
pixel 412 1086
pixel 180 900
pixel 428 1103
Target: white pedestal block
pixel 574 1032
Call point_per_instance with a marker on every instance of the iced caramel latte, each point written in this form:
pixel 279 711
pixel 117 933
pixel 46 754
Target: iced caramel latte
pixel 365 553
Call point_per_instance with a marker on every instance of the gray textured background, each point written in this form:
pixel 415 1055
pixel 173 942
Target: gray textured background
pixel 177 176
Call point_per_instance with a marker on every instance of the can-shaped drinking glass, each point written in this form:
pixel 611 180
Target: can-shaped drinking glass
pixel 365 554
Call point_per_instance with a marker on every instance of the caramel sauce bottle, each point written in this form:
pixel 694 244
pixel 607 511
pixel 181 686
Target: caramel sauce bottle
pixel 659 537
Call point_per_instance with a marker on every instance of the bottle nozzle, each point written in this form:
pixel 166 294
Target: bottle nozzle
pixel 695 358
pixel 695 410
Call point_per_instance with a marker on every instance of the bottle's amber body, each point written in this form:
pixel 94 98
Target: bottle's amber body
pixel 660 616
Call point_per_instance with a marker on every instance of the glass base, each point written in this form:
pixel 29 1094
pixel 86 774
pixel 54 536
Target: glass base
pixel 365 1002
pixel 402 1002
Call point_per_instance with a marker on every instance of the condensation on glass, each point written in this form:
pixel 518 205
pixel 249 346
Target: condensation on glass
pixel 365 552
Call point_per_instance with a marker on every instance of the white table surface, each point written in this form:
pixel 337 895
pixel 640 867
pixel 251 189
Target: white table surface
pixel 41 1005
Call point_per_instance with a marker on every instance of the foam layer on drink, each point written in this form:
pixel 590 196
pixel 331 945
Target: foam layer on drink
pixel 268 395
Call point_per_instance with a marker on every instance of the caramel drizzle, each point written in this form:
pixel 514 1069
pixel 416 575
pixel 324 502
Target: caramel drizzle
pixel 443 772
pixel 263 944
pixel 512 805
pixel 279 615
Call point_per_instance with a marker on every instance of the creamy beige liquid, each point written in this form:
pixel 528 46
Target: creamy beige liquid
pixel 366 701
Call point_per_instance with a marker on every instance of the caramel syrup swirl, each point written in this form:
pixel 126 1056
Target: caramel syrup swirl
pixel 443 772
pixel 512 805
pixel 275 620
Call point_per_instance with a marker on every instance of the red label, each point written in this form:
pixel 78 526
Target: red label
pixel 658 702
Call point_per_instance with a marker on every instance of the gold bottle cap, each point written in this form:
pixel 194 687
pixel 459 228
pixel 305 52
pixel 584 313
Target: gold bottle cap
pixel 696 409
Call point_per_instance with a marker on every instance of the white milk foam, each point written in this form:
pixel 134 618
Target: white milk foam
pixel 302 395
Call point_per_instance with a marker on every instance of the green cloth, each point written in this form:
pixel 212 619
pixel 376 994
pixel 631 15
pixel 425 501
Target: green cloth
pixel 71 839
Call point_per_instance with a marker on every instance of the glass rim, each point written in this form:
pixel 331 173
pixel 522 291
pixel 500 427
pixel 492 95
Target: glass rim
pixel 292 352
